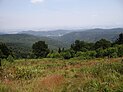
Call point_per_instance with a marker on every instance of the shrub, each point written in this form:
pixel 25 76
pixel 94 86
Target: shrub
pixel 10 58
pixel 79 54
pixel 120 50
pixel 66 55
pixel 100 52
pixel 72 52
pixel 103 43
pixel 54 55
pixel 91 54
pixel 40 49
pixel 111 52
pixel 86 55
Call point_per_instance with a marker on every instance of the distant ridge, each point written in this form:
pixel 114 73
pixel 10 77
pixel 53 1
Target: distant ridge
pixel 61 38
pixel 45 33
pixel 51 33
pixel 92 35
pixel 27 40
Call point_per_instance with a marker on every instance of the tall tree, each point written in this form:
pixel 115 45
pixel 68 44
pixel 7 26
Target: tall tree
pixel 81 46
pixel 76 46
pixel 103 43
pixel 59 50
pixel 4 50
pixel 1 55
pixel 120 39
pixel 40 49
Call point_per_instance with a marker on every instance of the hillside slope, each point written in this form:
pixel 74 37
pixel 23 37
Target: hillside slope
pixel 52 33
pixel 28 40
pixel 92 35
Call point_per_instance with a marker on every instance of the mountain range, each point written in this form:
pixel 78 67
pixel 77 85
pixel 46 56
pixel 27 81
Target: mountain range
pixel 52 33
pixel 92 35
pixel 69 36
pixel 58 38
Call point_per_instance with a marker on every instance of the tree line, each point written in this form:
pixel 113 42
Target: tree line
pixel 82 49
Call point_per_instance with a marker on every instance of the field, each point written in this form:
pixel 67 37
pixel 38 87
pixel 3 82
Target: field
pixel 59 75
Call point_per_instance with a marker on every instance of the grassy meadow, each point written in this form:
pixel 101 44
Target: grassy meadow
pixel 59 75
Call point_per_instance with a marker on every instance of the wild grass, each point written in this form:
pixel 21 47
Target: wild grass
pixel 58 75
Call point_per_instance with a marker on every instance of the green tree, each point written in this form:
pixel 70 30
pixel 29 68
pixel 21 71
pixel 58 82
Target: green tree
pixel 66 54
pixel 4 50
pixel 100 52
pixel 1 55
pixel 40 49
pixel 10 58
pixel 62 49
pixel 59 50
pixel 81 46
pixel 120 39
pixel 103 43
pixel 120 50
pixel 111 52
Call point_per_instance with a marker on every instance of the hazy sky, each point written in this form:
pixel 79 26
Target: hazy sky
pixel 60 13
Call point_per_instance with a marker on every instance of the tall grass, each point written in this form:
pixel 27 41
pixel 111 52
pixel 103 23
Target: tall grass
pixel 57 75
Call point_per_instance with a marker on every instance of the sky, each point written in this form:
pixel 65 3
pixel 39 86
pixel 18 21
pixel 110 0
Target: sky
pixel 20 14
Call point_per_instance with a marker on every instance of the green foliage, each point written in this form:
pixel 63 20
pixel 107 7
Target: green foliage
pixel 1 54
pixel 100 52
pixel 120 50
pixel 72 52
pixel 82 55
pixel 4 51
pixel 66 55
pixel 58 75
pixel 59 50
pixel 54 55
pixel 40 49
pixel 120 39
pixel 26 73
pixel 111 52
pixel 86 55
pixel 81 46
pixel 10 58
pixel 91 54
pixel 102 44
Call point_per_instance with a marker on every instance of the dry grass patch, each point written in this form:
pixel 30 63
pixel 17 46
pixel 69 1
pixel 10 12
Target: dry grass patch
pixel 52 82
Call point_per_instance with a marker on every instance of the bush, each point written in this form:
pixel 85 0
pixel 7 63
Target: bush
pixel 79 54
pixel 120 50
pixel 66 55
pixel 72 52
pixel 54 55
pixel 91 54
pixel 114 55
pixel 86 55
pixel 10 58
pixel 111 52
pixel 40 49
pixel 100 52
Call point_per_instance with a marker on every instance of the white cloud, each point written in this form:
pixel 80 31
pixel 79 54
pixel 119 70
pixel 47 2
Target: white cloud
pixel 36 1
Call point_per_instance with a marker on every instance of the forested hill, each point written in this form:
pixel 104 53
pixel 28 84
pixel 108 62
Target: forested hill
pixel 53 33
pixel 28 40
pixel 92 35
pixel 22 43
pixel 69 36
